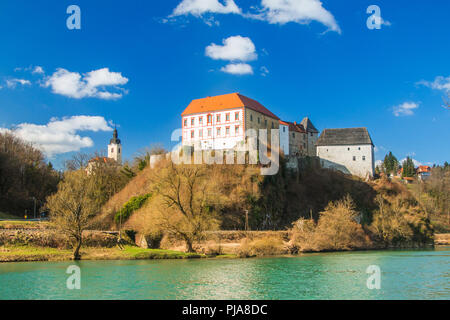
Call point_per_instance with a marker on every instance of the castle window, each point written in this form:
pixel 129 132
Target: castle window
pixel 112 150
pixel 200 133
pixel 273 125
pixel 259 120
pixel 118 150
pixel 192 121
pixel 227 130
pixel 354 158
pixel 251 117
pixel 218 118
pixel 364 158
pixel 200 120
pixel 185 122
pixel 192 134
pixel 209 118
pixel 348 149
pixel 236 116
pixel 218 131
pixel 359 148
pixel 284 129
pixel 227 117
pixel 265 122
pixel 293 134
pixel 236 130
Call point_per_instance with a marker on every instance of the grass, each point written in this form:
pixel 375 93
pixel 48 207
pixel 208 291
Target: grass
pixel 32 253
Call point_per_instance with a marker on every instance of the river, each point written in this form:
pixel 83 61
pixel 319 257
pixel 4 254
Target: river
pixel 405 274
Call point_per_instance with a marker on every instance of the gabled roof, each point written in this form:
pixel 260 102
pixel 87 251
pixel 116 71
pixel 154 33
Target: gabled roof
pixel 227 101
pixel 294 126
pixel 347 136
pixel 308 125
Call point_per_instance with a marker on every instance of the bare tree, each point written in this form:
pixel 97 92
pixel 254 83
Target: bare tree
pixel 187 206
pixel 73 206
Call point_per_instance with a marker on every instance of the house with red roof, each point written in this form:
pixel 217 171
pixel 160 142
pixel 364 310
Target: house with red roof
pixel 220 122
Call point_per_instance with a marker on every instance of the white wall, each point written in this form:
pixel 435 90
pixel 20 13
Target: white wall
pixel 341 158
pixel 284 138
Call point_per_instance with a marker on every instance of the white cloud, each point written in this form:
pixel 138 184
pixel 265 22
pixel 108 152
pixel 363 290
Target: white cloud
pixel 298 11
pixel 439 83
pixel 90 85
pixel 38 70
pixel 235 48
pixel 60 136
pixel 199 7
pixel 405 109
pixel 12 83
pixel 237 69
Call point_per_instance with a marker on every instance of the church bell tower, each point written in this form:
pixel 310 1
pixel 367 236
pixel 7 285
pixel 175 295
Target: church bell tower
pixel 115 148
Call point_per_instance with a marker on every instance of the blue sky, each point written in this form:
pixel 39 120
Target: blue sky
pixel 138 65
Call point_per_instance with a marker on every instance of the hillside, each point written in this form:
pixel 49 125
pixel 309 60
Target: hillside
pixel 273 202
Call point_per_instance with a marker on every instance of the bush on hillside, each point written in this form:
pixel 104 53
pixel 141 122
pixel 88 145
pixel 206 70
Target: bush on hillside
pixel 129 207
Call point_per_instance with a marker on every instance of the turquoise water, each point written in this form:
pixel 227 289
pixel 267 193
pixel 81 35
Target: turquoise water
pixel 404 275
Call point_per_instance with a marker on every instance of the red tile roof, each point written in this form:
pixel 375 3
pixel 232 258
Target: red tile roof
pixel 424 169
pixel 227 101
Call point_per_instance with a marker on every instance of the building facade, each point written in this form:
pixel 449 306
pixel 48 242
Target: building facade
pixel 221 122
pixel 349 150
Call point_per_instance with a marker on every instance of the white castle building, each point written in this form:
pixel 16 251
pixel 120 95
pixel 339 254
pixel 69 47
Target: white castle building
pixel 349 150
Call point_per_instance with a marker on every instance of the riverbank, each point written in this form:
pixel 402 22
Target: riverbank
pixel 33 253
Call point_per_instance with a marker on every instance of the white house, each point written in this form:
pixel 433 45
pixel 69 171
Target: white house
pixel 349 150
pixel 220 122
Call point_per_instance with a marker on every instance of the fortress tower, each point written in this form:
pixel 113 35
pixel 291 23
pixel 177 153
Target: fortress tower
pixel 115 148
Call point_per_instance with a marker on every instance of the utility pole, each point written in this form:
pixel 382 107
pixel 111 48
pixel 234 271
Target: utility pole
pixel 246 220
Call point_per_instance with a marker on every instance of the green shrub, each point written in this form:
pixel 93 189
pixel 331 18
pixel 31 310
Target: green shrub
pixel 129 207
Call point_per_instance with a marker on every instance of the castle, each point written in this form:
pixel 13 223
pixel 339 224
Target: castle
pixel 220 123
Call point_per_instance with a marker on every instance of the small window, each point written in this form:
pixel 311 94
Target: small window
pixel 218 131
pixel 209 132
pixel 227 130
pixel 259 120
pixel 236 116
pixel 348 149
pixel 112 150
pixel 192 134
pixel 200 120
pixel 200 133
pixel 227 117
pixel 251 117
pixel 311 134
pixel 236 130
pixel 218 118
pixel 209 118
pixel 293 134
pixel 265 122
pixel 192 121
pixel 273 126
pixel 364 158
pixel 119 150
pixel 359 148
pixel 354 158
pixel 284 129
pixel 185 122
